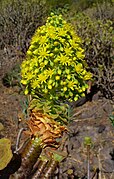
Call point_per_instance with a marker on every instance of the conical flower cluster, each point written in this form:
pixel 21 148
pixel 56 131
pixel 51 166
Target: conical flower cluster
pixel 55 66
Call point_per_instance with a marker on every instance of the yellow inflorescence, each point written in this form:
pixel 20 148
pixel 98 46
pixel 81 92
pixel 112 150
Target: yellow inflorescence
pixel 55 65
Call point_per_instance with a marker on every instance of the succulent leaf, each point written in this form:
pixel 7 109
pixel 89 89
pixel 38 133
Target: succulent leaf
pixel 5 152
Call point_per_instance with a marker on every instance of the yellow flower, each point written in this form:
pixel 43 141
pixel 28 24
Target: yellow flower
pixel 43 40
pixel 62 32
pixel 83 95
pixel 71 85
pixel 29 52
pixel 72 32
pixel 35 39
pixel 26 91
pixel 75 42
pixel 35 52
pixel 64 60
pixel 50 81
pixel 49 72
pixel 51 32
pixel 42 65
pixel 59 71
pixel 65 89
pixel 57 77
pixel 35 61
pixel 42 78
pixel 80 55
pixel 56 43
pixel 36 70
pixel 42 30
pixel 68 51
pixel 43 52
pixel 49 86
pixel 67 71
pixel 68 77
pixel 75 98
pixel 35 84
pixel 88 76
pixel 29 76
pixel 62 40
pixel 79 67
pixel 24 82
pixel 45 91
pixel 70 94
pixel 77 39
pixel 51 54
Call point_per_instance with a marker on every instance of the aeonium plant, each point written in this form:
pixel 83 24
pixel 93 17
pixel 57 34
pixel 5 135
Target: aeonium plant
pixel 54 67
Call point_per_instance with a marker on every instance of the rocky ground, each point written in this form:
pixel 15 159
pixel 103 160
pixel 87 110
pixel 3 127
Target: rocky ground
pixel 90 120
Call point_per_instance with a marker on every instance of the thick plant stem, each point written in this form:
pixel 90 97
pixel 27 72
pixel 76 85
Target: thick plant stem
pixel 29 156
pixel 50 169
pixel 41 166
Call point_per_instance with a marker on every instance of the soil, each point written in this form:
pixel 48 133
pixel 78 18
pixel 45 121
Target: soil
pixel 90 120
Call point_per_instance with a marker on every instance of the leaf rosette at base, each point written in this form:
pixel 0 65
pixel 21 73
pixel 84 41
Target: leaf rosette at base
pixel 43 126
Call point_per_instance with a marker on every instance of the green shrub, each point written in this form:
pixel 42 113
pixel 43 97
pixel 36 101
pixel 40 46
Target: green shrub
pixel 12 78
pixel 98 41
pixel 18 21
pixel 58 4
pixel 101 11
pixel 100 5
pixel 55 67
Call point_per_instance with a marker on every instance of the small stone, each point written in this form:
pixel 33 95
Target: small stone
pixel 108 166
pixel 101 128
pixel 70 171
